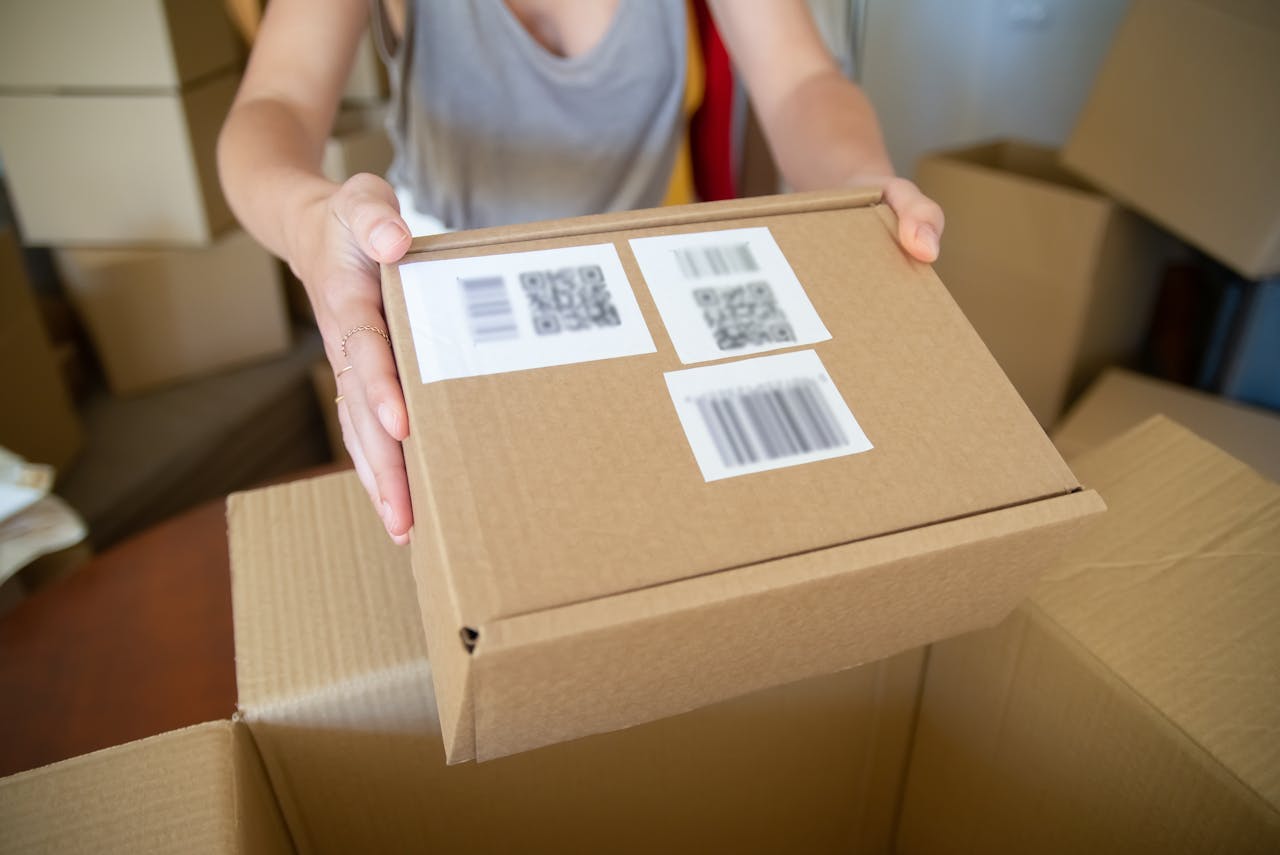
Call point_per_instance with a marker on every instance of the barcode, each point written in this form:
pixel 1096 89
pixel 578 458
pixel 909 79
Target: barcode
pixel 770 422
pixel 488 308
pixel 699 262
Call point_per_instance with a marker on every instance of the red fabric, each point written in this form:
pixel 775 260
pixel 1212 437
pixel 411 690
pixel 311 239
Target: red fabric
pixel 711 130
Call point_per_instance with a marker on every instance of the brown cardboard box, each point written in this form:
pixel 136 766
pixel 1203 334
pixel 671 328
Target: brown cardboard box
pixel 1057 279
pixel 359 143
pixel 579 574
pixel 158 316
pixel 40 422
pixel 1121 400
pixel 1133 705
pixel 120 168
pixel 335 685
pixel 88 44
pixel 1192 144
pixel 201 789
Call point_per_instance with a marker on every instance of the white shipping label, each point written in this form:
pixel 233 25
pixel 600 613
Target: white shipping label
pixel 509 312
pixel 763 413
pixel 726 293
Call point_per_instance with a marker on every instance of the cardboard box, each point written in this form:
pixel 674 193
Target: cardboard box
pixel 1121 400
pixel 579 574
pixel 200 789
pixel 1133 705
pixel 335 686
pixel 41 422
pixel 1056 278
pixel 159 316
pixel 88 44
pixel 359 143
pixel 135 168
pixel 1192 145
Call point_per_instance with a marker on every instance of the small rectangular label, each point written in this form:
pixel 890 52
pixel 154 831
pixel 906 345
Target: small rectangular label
pixel 765 413
pixel 510 312
pixel 726 293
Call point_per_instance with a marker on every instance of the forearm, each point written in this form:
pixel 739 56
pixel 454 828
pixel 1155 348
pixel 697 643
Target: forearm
pixel 824 134
pixel 269 164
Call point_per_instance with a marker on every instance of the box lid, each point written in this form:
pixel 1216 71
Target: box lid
pixel 1175 592
pixel 547 487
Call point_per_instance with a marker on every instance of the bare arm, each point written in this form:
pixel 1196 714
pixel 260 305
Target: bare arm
pixel 821 127
pixel 333 236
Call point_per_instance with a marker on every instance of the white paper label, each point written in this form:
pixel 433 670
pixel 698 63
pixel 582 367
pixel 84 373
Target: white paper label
pixel 764 413
pixel 726 293
pixel 510 312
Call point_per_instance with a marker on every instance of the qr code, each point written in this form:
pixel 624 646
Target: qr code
pixel 743 315
pixel 571 298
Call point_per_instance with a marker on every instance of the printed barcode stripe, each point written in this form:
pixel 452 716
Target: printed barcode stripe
pixel 697 262
pixel 770 422
pixel 489 311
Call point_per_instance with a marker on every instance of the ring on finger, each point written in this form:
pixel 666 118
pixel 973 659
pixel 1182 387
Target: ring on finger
pixel 339 399
pixel 363 328
pixel 343 370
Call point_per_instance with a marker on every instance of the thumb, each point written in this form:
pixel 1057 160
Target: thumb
pixel 368 207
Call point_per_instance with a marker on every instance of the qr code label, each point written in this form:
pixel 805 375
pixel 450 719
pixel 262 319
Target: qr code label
pixel 742 316
pixel 569 299
pixel 726 293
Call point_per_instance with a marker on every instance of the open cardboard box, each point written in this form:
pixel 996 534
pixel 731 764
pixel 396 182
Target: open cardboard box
pixel 1133 703
pixel 579 573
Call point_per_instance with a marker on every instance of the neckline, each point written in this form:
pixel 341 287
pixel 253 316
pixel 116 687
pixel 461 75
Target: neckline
pixel 554 62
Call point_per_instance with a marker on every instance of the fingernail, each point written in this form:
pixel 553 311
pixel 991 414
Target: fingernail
pixel 386 238
pixel 927 236
pixel 387 418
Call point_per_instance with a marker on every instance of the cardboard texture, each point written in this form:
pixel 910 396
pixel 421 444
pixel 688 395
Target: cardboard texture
pixel 1192 145
pixel 335 685
pixel 359 143
pixel 200 789
pixel 652 592
pixel 1133 705
pixel 41 422
pixel 132 168
pixel 1056 278
pixel 1122 399
pixel 113 44
pixel 160 316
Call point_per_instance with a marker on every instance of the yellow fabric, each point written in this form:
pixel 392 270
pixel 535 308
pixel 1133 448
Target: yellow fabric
pixel 680 189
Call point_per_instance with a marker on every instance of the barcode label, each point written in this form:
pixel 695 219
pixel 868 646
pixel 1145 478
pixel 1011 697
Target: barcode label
pixel 699 262
pixel 764 413
pixel 770 422
pixel 727 292
pixel 489 313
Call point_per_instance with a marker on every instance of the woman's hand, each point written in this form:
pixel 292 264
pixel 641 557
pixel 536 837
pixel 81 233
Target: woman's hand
pixel 920 220
pixel 338 240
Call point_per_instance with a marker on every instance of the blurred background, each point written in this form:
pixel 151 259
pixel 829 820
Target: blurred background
pixel 1113 223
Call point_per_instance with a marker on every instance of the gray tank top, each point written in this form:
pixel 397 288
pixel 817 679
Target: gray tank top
pixel 491 128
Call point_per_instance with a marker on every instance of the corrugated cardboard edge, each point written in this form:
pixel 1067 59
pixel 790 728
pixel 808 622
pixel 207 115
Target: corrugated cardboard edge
pixel 202 786
pixel 604 664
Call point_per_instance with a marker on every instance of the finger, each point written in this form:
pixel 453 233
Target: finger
pixel 920 219
pixel 385 460
pixel 356 452
pixel 368 207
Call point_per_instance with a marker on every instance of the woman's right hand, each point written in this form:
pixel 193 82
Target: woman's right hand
pixel 337 242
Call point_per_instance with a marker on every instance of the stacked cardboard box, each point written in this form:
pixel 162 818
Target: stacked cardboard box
pixel 108 128
pixel 1056 278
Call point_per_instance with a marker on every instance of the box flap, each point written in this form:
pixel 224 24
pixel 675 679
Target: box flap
pixel 1176 592
pixel 554 486
pixel 1121 400
pixel 200 789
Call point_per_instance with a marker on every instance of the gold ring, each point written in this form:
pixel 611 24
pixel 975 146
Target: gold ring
pixel 363 328
pixel 344 370
pixel 339 399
